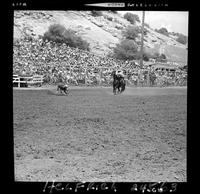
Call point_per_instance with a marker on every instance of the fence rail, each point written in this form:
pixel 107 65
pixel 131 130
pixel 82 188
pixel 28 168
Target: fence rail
pixel 35 79
pixel 100 80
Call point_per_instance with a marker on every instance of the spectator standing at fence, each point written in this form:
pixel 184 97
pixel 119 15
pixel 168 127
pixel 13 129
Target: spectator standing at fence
pixel 145 77
pixel 141 78
pixel 152 77
pixel 135 79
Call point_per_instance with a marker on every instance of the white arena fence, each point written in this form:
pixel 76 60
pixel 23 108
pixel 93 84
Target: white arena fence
pixel 25 81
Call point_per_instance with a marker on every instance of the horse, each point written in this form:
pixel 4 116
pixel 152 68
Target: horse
pixel 63 88
pixel 118 83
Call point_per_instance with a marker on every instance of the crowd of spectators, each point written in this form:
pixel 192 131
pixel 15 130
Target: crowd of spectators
pixel 175 78
pixel 75 66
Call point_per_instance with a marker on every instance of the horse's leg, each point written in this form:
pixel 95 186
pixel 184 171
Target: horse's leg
pixel 122 87
pixel 119 91
pixel 114 90
pixel 119 87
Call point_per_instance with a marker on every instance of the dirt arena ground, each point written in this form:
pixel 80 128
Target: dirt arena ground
pixel 92 135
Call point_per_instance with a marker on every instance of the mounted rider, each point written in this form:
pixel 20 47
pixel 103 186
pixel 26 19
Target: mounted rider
pixel 118 80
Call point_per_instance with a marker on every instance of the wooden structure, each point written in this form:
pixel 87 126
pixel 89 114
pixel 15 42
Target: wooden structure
pixel 25 80
pixel 164 66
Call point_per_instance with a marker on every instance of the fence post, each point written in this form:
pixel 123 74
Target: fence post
pixel 100 76
pixel 138 80
pixel 86 77
pixel 148 79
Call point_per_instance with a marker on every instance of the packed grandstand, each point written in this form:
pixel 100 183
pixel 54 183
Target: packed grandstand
pixel 61 63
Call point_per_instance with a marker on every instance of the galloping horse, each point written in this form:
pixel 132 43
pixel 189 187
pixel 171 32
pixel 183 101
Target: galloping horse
pixel 118 83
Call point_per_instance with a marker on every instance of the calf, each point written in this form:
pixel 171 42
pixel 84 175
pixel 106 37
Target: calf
pixel 63 88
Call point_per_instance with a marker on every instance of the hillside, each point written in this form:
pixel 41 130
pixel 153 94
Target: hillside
pixel 102 32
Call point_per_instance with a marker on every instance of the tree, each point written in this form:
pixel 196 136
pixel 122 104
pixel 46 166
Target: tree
pixel 131 32
pixel 132 18
pixel 146 56
pixel 159 57
pixel 58 34
pixel 126 50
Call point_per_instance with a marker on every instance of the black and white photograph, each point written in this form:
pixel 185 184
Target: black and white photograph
pixel 100 95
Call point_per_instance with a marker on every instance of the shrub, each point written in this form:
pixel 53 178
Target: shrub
pixel 182 39
pixel 126 50
pixel 146 56
pixel 96 13
pixel 80 43
pixel 163 31
pixel 55 33
pixel 158 57
pixel 145 31
pixel 58 34
pixel 131 32
pixel 155 55
pixel 132 18
pixel 113 11
pixel 109 18
pixel 119 27
pixel 147 25
pixel 162 56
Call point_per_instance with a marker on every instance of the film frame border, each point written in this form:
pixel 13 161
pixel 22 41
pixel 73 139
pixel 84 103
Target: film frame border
pixel 121 186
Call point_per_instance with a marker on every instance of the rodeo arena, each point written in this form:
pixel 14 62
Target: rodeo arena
pixel 71 123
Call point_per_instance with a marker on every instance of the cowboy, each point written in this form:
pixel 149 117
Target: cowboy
pixel 119 74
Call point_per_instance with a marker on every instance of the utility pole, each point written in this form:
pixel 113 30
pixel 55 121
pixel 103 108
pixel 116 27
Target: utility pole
pixel 142 40
pixel 141 48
